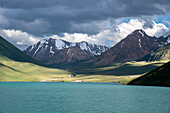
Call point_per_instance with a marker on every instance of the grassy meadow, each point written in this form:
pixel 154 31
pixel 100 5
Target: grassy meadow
pixel 119 72
pixel 22 71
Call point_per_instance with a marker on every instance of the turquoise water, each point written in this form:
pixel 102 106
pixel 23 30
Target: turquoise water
pixel 82 98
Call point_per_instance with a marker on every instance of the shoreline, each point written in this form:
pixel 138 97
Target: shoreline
pixel 114 83
pixel 58 82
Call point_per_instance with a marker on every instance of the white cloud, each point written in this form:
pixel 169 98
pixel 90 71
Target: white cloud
pixel 19 38
pixel 116 33
pixel 158 29
pixel 109 32
pixel 101 38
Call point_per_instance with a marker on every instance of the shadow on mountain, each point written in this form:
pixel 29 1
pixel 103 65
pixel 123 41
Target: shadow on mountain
pixel 13 53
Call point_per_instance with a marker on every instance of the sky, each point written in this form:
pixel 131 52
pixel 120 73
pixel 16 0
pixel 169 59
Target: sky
pixel 105 22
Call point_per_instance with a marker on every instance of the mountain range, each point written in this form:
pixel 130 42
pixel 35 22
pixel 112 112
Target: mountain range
pixel 15 65
pixel 54 51
pixel 133 47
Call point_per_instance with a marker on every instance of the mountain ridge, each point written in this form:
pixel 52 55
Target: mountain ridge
pixel 162 53
pixel 136 45
pixel 47 49
pixel 18 66
pixel 10 51
pixel 133 47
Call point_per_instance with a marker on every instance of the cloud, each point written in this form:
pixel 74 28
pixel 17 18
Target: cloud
pixel 25 22
pixel 20 39
pixel 42 17
pixel 114 33
pixel 111 32
pixel 156 29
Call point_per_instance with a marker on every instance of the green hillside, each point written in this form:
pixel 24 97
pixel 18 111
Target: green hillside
pixel 117 72
pixel 160 54
pixel 22 71
pixel 118 69
pixel 10 51
pixel 17 66
pixel 157 77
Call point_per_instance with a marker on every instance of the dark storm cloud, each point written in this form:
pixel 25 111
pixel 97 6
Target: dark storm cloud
pixel 48 17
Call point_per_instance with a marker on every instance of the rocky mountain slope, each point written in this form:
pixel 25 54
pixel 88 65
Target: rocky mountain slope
pixel 69 55
pixel 160 54
pixel 134 46
pixel 53 51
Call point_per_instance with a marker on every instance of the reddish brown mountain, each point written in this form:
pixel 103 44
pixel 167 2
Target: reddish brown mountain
pixel 53 51
pixel 69 55
pixel 134 46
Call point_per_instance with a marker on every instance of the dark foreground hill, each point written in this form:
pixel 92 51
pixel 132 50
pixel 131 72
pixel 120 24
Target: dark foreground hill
pixel 157 77
pixel 10 51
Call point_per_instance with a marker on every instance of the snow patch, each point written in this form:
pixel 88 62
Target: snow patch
pixel 46 42
pixel 51 50
pixel 68 51
pixel 122 44
pixel 131 33
pixel 140 43
pixel 31 48
pixel 72 44
pixel 141 33
pixel 83 46
pixel 36 50
pixel 168 40
pixel 60 44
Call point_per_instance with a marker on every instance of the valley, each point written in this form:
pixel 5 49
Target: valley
pixel 27 72
pixel 126 61
pixel 84 56
pixel 120 73
pixel 117 72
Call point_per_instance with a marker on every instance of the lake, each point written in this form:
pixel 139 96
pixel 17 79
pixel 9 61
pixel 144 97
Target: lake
pixel 34 97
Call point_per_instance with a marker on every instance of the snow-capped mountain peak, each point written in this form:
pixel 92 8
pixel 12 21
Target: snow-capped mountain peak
pixel 134 46
pixel 60 44
pixel 46 48
pixel 168 38
pixel 92 48
pixel 141 33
